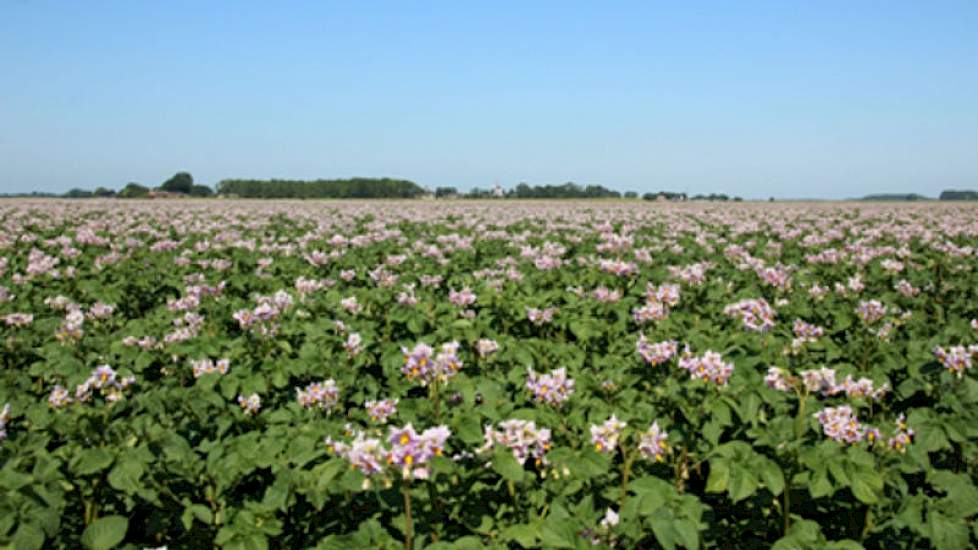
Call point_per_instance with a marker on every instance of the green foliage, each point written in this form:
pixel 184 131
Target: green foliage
pixel 569 190
pixel 177 462
pixel 354 188
pixel 950 195
pixel 133 190
pixel 181 182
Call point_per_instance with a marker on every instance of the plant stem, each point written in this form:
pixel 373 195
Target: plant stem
pixel 437 399
pixel 626 472
pixel 787 509
pixel 408 519
pixel 867 523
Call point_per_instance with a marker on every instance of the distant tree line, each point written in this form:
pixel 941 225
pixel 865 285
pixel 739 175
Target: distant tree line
pixel 667 195
pixel 569 190
pixel 952 195
pixel 353 188
pixel 894 197
pixel 181 183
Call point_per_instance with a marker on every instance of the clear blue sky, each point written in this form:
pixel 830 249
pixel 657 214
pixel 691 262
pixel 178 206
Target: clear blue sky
pixel 790 99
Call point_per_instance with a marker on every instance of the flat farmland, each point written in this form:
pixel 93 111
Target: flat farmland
pixel 488 374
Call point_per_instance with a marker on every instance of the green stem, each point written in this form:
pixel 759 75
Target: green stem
pixel 408 519
pixel 625 474
pixel 867 523
pixel 787 508
pixel 437 400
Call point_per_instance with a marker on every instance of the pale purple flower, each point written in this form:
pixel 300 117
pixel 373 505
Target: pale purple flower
pixel 708 367
pixel 903 436
pixel 841 424
pixel 605 436
pixel 540 316
pixel 756 315
pixel 461 298
pixel 870 311
pixel 552 389
pixel 778 379
pixel 380 411
pixel 322 395
pixel 486 347
pixel 522 437
pixel 353 344
pixel 653 444
pixel 658 353
pixel 250 404
pixel 956 359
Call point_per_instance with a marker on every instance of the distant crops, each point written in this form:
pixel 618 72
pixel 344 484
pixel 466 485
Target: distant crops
pixel 250 375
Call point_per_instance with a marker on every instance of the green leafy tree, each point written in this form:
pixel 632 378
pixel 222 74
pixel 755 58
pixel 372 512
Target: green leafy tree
pixel 181 182
pixel 201 191
pixel 133 190
pixel 78 194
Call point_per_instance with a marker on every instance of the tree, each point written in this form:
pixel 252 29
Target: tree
pixel 951 195
pixel 181 182
pixel 631 195
pixel 78 194
pixel 445 192
pixel 104 192
pixel 200 191
pixel 355 188
pixel 133 190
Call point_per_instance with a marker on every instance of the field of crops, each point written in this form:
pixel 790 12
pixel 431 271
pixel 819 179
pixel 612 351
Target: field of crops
pixel 440 375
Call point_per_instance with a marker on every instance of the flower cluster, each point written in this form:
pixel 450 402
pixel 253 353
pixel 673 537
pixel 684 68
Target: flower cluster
pixel 906 289
pixel 903 436
pixel 104 379
pixel 540 316
pixel 658 353
pixel 692 274
pixel 351 305
pixel 408 451
pixel 653 444
pixel 461 298
pixel 840 424
pixel 658 301
pixel 422 365
pixel 380 411
pixel 353 344
pixel 367 455
pixel 618 267
pixel 71 328
pixel 522 437
pixel 870 311
pixel 18 319
pixel 650 311
pixel 552 389
pixel 605 436
pixel 411 451
pixel 261 319
pixel 807 331
pixel 206 366
pixel 956 359
pixel 822 381
pixel 322 395
pixel 778 277
pixel 708 367
pixel 486 347
pixel 250 404
pixel 756 315
pixel 606 296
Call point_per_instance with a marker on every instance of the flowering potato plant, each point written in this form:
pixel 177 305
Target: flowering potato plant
pixel 488 375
